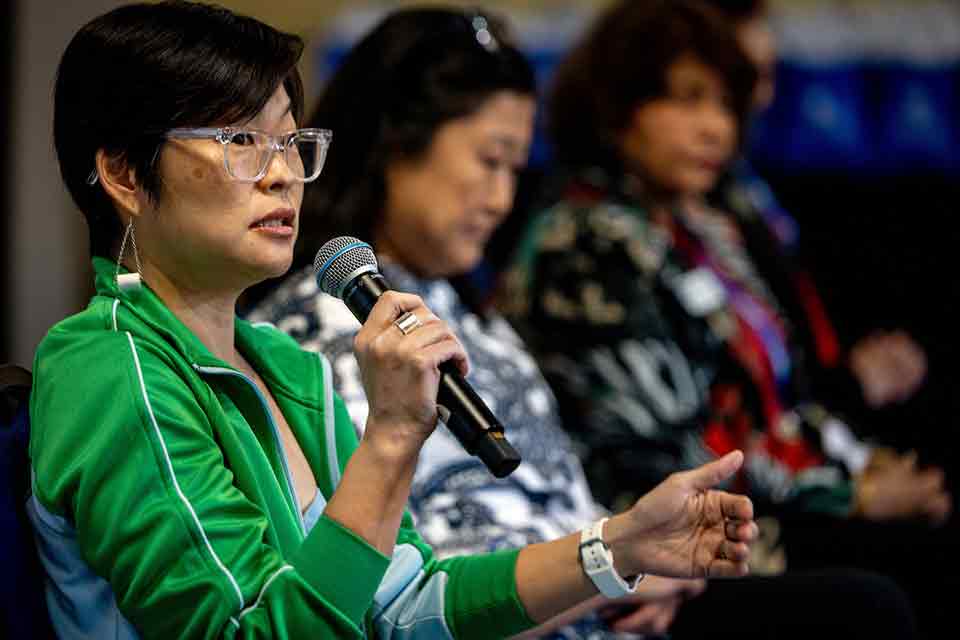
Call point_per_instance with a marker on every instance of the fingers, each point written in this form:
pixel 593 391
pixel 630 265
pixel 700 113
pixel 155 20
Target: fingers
pixel 890 366
pixel 725 559
pixel 735 507
pixel 665 618
pixel 930 481
pixel 882 458
pixel 694 587
pixel 731 561
pixel 909 356
pixel 900 490
pixel 908 461
pixel 380 334
pixel 656 619
pixel 448 349
pixel 391 306
pixel 728 569
pixel 741 531
pixel 378 329
pixel 640 620
pixel 938 502
pixel 432 342
pixel 939 508
pixel 400 364
pixel 734 551
pixel 713 473
pixel 924 486
pixel 653 588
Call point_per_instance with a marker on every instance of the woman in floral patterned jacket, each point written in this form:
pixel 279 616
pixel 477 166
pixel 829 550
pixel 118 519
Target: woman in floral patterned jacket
pixel 664 344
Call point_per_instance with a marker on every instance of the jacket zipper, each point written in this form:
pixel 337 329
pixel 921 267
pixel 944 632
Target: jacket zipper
pixel 273 427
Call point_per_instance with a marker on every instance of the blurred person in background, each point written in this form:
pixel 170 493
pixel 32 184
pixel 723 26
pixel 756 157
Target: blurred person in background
pixel 194 475
pixel 433 112
pixel 883 369
pixel 664 343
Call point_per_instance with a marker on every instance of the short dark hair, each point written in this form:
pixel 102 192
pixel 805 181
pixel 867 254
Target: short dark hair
pixel 415 71
pixel 133 73
pixel 738 10
pixel 622 62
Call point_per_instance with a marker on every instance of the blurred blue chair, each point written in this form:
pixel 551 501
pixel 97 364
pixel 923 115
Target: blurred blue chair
pixel 818 121
pixel 916 117
pixel 23 612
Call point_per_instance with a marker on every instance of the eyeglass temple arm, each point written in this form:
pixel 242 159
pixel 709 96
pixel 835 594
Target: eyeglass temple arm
pixel 194 134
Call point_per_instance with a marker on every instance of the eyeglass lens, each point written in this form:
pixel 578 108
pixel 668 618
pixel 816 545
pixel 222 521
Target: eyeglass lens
pixel 248 153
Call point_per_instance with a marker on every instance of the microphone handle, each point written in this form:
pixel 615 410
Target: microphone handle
pixel 464 412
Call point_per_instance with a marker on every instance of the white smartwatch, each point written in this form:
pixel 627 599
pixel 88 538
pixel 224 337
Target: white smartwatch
pixel 597 561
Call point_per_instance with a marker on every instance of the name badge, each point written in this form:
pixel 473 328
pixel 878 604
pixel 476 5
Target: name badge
pixel 700 292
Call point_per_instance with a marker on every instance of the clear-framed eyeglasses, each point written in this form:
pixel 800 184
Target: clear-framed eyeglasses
pixel 247 152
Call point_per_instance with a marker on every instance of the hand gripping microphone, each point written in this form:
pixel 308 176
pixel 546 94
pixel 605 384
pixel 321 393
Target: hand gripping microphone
pixel 346 267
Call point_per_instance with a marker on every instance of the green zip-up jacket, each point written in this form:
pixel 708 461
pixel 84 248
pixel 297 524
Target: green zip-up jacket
pixel 161 490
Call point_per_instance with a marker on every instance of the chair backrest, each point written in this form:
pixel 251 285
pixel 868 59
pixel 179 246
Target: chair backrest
pixel 23 611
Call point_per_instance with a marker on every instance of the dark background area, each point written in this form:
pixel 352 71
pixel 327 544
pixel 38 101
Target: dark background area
pixel 882 248
pixel 884 251
pixel 6 82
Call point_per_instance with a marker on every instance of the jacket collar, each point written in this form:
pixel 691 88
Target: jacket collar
pixel 278 360
pixel 150 309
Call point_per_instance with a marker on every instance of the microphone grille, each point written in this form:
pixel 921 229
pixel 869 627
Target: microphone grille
pixel 339 261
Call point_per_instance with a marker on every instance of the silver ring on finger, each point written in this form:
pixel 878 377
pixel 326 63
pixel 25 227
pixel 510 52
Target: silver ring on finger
pixel 408 323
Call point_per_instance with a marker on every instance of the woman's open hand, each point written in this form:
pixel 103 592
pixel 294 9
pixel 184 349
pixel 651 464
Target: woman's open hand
pixel 893 487
pixel 890 367
pixel 685 529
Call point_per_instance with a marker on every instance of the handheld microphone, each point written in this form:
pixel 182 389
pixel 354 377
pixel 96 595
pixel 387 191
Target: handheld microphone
pixel 346 268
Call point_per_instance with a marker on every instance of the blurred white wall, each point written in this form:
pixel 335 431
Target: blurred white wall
pixel 48 238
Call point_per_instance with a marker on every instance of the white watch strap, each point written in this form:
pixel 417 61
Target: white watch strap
pixel 597 561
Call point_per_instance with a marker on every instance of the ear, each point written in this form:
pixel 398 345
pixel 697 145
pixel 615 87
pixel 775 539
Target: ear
pixel 119 181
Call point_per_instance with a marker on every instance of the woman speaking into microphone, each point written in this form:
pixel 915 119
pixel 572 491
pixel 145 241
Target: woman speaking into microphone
pixel 195 475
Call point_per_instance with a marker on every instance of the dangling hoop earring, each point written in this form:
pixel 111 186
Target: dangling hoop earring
pixel 129 282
